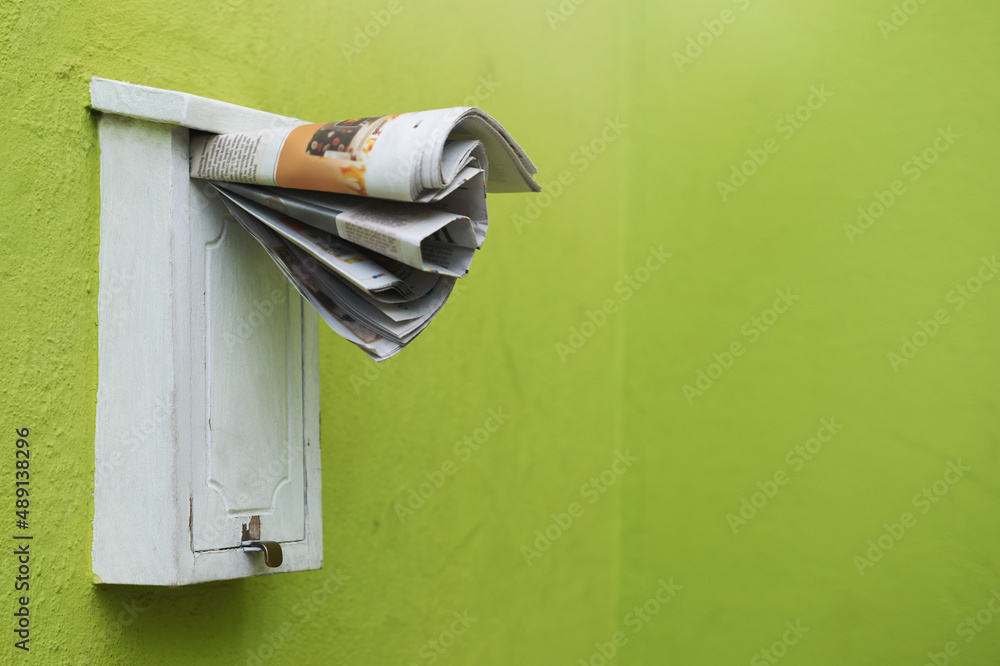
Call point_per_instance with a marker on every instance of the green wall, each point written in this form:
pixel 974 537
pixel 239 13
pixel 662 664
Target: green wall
pixel 827 356
pixel 574 328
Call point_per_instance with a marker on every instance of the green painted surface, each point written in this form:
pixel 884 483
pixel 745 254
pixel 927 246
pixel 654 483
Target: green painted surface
pixel 497 346
pixel 827 356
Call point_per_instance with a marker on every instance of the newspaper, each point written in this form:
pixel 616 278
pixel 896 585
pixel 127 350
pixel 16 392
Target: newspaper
pixel 403 157
pixel 371 219
pixel 306 277
pixel 418 235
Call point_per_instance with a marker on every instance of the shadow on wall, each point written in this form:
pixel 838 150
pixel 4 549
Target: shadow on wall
pixel 164 621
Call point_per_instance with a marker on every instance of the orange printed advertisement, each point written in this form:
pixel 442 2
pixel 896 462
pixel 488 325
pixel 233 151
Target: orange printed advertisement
pixel 329 157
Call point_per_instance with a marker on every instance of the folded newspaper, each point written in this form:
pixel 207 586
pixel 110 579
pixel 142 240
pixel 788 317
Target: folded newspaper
pixel 371 219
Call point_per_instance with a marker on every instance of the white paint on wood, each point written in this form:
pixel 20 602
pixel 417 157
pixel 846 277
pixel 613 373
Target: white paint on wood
pixel 177 108
pixel 208 384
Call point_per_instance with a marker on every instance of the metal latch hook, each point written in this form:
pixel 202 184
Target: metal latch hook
pixel 272 551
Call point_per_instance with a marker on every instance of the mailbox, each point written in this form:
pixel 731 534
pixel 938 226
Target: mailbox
pixel 207 450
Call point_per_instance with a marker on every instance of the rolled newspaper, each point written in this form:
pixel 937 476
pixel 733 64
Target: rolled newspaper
pixel 371 219
pixel 405 157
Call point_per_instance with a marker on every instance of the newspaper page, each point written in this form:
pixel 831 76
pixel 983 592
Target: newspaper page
pixel 307 278
pixel 402 157
pixel 427 238
pixel 362 270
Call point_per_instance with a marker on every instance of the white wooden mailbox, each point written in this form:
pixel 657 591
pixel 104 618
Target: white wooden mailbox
pixel 207 437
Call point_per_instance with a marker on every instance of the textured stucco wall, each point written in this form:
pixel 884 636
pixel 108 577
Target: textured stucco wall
pixel 384 427
pixel 582 95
